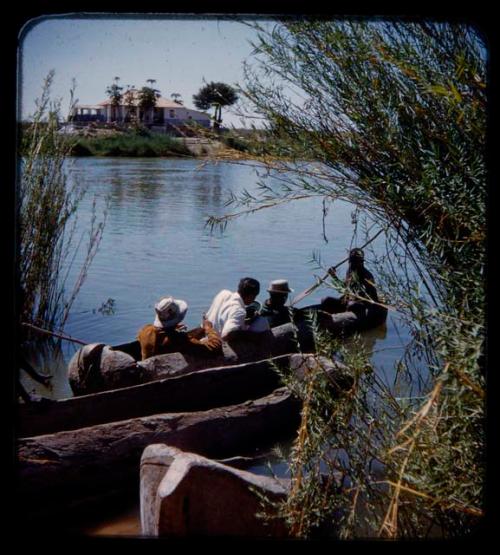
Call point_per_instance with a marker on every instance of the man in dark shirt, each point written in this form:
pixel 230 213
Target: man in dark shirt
pixel 274 308
pixel 359 281
pixel 360 286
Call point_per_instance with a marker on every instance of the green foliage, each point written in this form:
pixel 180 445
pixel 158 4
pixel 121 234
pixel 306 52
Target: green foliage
pixel 236 142
pixel 147 97
pixel 137 144
pixel 395 114
pixel 46 216
pixel 114 92
pixel 217 95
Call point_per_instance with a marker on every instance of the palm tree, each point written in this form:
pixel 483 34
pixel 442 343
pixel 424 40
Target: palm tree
pixel 147 97
pixel 175 97
pixel 128 98
pixel 114 91
pixel 216 95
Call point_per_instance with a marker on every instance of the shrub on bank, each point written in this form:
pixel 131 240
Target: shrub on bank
pixel 130 145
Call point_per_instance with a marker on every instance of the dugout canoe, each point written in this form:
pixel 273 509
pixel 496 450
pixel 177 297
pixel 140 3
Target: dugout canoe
pixel 74 465
pixel 193 391
pixel 98 367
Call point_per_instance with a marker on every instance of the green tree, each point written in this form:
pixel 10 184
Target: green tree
pixel 129 100
pixel 395 114
pixel 176 98
pixel 216 95
pixel 114 92
pixel 147 98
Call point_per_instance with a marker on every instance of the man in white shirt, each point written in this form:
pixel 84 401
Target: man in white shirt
pixel 227 312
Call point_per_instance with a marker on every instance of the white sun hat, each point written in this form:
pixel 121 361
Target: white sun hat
pixel 169 312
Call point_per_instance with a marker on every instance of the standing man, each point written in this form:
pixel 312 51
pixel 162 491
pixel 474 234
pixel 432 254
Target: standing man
pixel 227 312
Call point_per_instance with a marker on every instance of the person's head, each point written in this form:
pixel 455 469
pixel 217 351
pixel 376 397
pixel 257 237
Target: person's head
pixel 169 312
pixel 248 288
pixel 356 258
pixel 278 292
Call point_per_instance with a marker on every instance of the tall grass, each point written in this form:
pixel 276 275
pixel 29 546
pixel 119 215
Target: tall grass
pixel 394 114
pixel 129 144
pixel 47 245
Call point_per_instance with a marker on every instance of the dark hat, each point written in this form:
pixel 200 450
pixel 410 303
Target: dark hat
pixel 279 286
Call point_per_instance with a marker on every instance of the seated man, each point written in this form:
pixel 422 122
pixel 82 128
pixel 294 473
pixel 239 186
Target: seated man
pixel 274 308
pixel 167 335
pixel 228 313
pixel 360 286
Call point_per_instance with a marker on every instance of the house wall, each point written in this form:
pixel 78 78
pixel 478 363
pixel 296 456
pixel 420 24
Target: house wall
pixel 176 116
pixel 182 114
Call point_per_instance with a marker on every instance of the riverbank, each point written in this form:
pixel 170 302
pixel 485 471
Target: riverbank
pixel 143 143
pixel 129 145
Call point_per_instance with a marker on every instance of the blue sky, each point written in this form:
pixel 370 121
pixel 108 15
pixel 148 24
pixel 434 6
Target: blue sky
pixel 179 53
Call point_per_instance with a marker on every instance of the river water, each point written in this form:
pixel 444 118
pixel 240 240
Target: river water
pixel 156 243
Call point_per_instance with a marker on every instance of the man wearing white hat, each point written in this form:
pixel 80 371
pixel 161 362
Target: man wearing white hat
pixel 166 335
pixel 274 308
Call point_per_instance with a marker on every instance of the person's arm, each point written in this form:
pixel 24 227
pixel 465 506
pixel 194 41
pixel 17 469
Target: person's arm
pixel 210 343
pixel 213 340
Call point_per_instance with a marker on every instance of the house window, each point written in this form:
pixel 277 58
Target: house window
pixel 172 113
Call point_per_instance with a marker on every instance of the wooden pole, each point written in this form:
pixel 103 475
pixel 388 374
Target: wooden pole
pixel 54 334
pixel 300 296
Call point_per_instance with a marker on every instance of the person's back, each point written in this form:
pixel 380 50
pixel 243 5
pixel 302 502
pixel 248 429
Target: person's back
pixel 360 285
pixel 359 280
pixel 164 335
pixel 227 313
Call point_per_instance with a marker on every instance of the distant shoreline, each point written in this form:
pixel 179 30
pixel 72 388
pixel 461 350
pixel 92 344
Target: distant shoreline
pixel 152 145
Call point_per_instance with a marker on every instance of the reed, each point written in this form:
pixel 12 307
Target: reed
pixel 47 206
pixel 393 114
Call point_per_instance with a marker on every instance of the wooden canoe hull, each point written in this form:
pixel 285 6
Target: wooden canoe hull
pixel 78 466
pixel 56 469
pixel 197 390
pixel 99 367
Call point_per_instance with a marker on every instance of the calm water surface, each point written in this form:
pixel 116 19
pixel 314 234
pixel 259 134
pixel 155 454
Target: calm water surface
pixel 156 244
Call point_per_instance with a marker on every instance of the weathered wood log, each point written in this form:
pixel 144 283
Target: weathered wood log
pixel 200 390
pixel 97 367
pixel 80 465
pixel 184 494
pixel 55 468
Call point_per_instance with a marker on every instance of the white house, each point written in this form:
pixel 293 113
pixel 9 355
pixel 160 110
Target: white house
pixel 165 113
